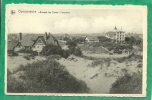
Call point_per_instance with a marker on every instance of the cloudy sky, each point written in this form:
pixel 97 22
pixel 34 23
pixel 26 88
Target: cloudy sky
pixel 79 19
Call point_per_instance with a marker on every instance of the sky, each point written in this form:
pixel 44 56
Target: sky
pixel 79 19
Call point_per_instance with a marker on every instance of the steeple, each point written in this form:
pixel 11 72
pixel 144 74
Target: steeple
pixel 115 28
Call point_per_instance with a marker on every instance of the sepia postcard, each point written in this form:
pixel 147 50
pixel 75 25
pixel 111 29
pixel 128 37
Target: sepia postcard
pixel 76 50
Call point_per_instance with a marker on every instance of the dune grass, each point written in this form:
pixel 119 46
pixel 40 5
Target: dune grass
pixel 46 76
pixel 128 84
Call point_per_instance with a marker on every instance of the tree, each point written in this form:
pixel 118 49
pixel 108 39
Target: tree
pixel 66 39
pixel 127 39
pixel 71 43
pixel 104 39
pixel 132 40
pixel 51 49
pixel 78 52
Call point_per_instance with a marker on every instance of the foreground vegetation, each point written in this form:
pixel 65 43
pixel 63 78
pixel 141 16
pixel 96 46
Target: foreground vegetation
pixel 128 84
pixel 46 76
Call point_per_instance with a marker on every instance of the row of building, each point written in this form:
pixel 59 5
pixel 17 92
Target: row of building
pixel 36 42
pixel 118 36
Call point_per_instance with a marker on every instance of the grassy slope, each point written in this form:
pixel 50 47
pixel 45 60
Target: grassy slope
pixel 46 76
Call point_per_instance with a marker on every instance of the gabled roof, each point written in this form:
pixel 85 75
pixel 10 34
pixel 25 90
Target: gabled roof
pixel 12 36
pixel 30 39
pixel 42 38
pixel 51 39
pixel 12 44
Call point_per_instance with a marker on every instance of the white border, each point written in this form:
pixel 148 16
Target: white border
pixel 144 77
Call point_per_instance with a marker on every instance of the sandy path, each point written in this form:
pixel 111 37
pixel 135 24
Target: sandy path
pixel 103 55
pixel 93 77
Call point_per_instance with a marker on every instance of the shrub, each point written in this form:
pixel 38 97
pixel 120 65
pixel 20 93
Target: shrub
pixel 103 39
pixel 65 53
pixel 90 58
pixel 139 66
pixel 71 43
pixel 51 49
pixel 72 49
pixel 55 50
pixel 131 57
pixel 100 62
pixel 25 50
pixel 54 57
pixel 27 57
pixel 46 76
pixel 77 52
pixel 8 72
pixel 34 53
pixel 93 48
pixel 128 84
pixel 14 54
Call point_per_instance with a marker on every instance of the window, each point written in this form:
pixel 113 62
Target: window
pixel 37 46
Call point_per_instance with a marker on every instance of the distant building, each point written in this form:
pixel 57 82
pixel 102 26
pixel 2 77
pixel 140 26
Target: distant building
pixel 116 35
pixel 91 39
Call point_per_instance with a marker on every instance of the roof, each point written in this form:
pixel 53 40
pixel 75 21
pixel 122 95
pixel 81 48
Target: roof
pixel 42 38
pixel 62 43
pixel 92 38
pixel 51 39
pixel 12 36
pixel 30 39
pixel 12 44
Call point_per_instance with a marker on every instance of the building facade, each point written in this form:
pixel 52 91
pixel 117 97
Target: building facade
pixel 116 35
pixel 35 42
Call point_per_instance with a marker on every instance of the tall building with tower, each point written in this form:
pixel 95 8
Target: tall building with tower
pixel 117 35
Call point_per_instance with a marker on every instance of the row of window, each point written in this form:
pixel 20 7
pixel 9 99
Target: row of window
pixel 120 35
pixel 37 46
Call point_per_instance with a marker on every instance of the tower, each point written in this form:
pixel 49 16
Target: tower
pixel 115 28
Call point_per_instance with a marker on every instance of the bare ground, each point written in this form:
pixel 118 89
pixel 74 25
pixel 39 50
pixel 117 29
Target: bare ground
pixel 98 79
pixel 104 55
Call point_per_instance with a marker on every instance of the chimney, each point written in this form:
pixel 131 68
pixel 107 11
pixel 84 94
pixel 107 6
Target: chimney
pixel 20 36
pixel 45 36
